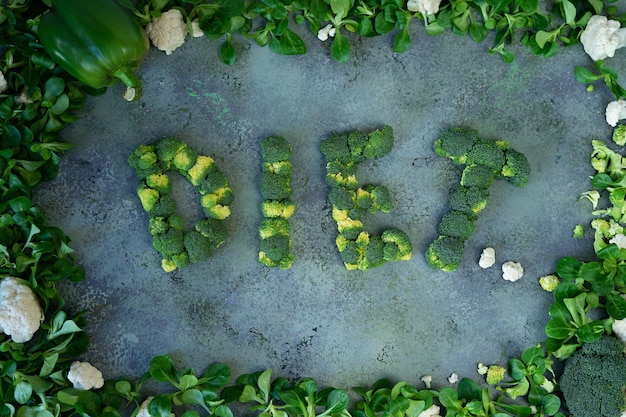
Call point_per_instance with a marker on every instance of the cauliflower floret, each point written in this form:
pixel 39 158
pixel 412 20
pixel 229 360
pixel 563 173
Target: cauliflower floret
pixel 168 31
pixel 425 7
pixel 196 32
pixel 602 37
pixel 427 380
pixel 619 240
pixel 487 258
pixel 20 312
pixel 4 85
pixel 619 328
pixel 85 376
pixel 453 378
pixel 327 31
pixel 615 111
pixel 549 282
pixel 512 271
pixel 432 411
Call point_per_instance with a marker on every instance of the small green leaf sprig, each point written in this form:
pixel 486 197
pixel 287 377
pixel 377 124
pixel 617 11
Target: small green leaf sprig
pixel 179 248
pixel 274 230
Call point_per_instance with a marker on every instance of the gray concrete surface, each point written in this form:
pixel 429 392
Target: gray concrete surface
pixel 344 328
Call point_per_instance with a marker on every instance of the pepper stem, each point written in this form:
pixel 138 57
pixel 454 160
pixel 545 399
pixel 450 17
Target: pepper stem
pixel 133 85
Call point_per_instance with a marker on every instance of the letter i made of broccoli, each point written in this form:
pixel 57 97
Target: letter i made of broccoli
pixel 277 206
pixel 351 203
pixel 177 247
pixel 484 162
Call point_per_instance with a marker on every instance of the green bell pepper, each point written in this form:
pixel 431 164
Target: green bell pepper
pixel 98 42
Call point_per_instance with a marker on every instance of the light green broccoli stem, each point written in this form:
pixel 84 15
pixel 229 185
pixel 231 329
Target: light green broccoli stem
pixel 277 206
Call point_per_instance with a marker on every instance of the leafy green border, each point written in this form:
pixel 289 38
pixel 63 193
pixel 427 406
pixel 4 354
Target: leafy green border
pixel 41 99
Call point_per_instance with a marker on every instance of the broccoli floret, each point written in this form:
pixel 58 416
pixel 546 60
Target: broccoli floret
pixel 336 148
pixel 456 143
pixel 167 148
pixel 516 168
pixel 144 161
pixel 350 228
pixel 397 245
pixel 339 214
pixel 456 224
pixel 374 253
pixel 185 159
pixel 181 260
pixel 213 180
pixel 147 196
pixel 488 153
pixel 223 195
pixel 357 213
pixel 275 208
pixel 158 225
pixel 469 200
pixel 339 167
pixel 342 180
pixel 198 247
pixel 175 222
pixel 381 198
pixel 218 212
pixel 341 198
pixel 275 187
pixel 349 251
pixel 274 226
pixel 379 143
pixel 605 160
pixel 275 247
pixel 202 167
pixel 165 207
pixel 479 176
pixel 357 141
pixel 619 135
pixel 445 253
pixel 279 168
pixel 168 265
pixel 593 379
pixel 275 149
pixel 364 199
pixel 169 243
pixel 160 182
pixel 214 230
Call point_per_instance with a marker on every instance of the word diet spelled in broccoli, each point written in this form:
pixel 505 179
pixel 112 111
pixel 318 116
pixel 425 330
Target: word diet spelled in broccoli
pixel 485 161
pixel 178 248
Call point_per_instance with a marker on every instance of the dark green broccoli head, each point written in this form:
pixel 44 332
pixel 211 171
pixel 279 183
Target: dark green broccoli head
pixel 456 224
pixel 488 153
pixel 165 207
pixel 275 149
pixel 339 167
pixel 336 148
pixel 341 198
pixel 280 168
pixel 374 253
pixel 144 161
pixel 167 148
pixel 381 197
pixel 175 222
pixel 275 187
pixel 350 253
pixel 456 143
pixel 516 168
pixel 357 141
pixel 445 253
pixel 593 379
pixel 181 260
pixel 212 181
pixel 214 230
pixel 480 176
pixel 397 245
pixel 470 201
pixel 169 243
pixel 275 247
pixel 198 247
pixel 379 143
pixel 364 199
pixel 185 159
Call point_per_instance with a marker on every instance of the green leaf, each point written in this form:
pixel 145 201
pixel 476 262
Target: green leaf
pixel 54 87
pixel 590 332
pixel 187 381
pixel 585 76
pixel 541 37
pixel 469 390
pixel 402 42
pixel 248 394
pixel 264 382
pixel 22 392
pixel 160 406
pixel 192 396
pixel 576 308
pixel 11 136
pixel 216 376
pixel 291 44
pixel 478 31
pixel 227 51
pixel 560 329
pixel 569 12
pixel 449 398
pixel 223 411
pixel 68 327
pixel 551 404
pixel 517 369
pixel 616 306
pixel 340 48
pixel 319 9
pixel 568 268
pixel 340 8
pixel 163 369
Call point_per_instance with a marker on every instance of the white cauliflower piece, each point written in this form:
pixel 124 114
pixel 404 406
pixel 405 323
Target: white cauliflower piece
pixel 432 411
pixel 4 85
pixel 20 312
pixel 84 376
pixel 512 271
pixel 168 31
pixel 619 240
pixel 327 31
pixel 602 37
pixel 427 380
pixel 615 111
pixel 482 369
pixel 196 32
pixel 453 378
pixel 487 258
pixel 425 7
pixel 619 328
